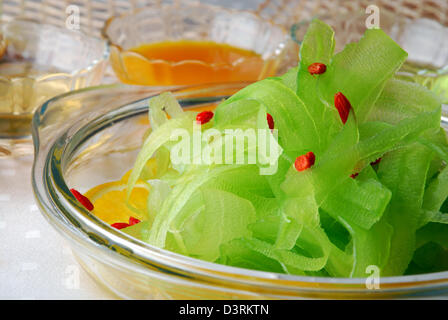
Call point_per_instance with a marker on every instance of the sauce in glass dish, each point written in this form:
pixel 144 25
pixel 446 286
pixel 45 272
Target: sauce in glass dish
pixel 192 62
pixel 23 87
pixel 2 46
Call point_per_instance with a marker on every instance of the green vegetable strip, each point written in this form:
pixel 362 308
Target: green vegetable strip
pixel 162 105
pixel 239 253
pixel 406 131
pixel 370 247
pixel 155 140
pixel 289 79
pixel 317 46
pixel 304 211
pixel 365 209
pixel 434 216
pixel 286 257
pixel 158 193
pixel 361 71
pixel 297 129
pixel 224 217
pixel 298 212
pixel 361 216
pixel 172 207
pixel 339 165
pixel 437 143
pixel 433 232
pixel 240 114
pixel 436 192
pixel 328 172
pixel 404 172
pixel 402 99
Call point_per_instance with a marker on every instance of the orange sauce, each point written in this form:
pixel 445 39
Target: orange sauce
pixel 189 62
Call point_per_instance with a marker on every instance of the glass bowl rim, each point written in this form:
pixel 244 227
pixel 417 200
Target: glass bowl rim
pixel 172 261
pixel 104 30
pixel 87 68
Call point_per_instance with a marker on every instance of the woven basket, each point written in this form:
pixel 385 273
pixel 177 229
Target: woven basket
pixel 284 12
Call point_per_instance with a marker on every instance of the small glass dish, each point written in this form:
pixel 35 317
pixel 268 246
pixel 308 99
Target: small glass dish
pixel 41 61
pixel 196 22
pixel 96 142
pixel 424 39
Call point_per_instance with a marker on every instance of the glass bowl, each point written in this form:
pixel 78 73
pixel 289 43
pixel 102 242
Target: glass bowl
pixel 196 22
pixel 97 141
pixel 39 62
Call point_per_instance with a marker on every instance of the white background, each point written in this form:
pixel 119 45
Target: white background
pixel 35 261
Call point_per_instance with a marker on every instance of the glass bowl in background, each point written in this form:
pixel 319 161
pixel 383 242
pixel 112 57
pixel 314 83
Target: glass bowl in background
pixel 92 136
pixel 424 39
pixel 41 61
pixel 2 46
pixel 196 22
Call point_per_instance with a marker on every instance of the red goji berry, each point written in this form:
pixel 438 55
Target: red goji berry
pixel 354 175
pixel 317 68
pixel 204 117
pixel 82 199
pixel 133 221
pixel 343 105
pixel 305 161
pixel 119 225
pixel 270 121
pixel 375 162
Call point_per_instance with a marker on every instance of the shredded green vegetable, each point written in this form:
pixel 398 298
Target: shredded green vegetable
pixel 336 218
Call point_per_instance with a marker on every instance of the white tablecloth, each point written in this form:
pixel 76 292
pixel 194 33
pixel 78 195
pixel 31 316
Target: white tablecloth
pixel 35 261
